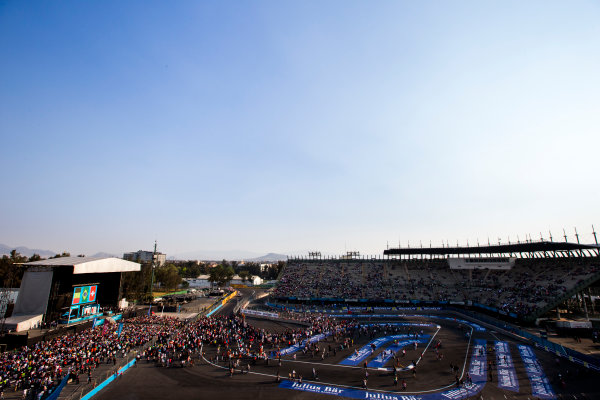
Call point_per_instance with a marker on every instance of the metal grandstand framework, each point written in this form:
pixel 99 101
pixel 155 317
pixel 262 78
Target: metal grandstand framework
pixel 530 249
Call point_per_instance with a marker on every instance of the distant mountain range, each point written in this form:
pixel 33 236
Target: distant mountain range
pixel 103 254
pixel 271 257
pixel 26 251
pixel 193 255
pixel 237 255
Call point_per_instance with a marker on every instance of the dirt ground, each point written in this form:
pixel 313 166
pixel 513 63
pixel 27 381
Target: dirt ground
pixel 209 379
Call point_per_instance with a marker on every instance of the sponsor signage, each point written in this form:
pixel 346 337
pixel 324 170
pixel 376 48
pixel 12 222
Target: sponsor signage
pixel 478 367
pixel 507 377
pixel 477 370
pixel 387 354
pixel 293 349
pixel 540 386
pixel 260 313
pixel 370 347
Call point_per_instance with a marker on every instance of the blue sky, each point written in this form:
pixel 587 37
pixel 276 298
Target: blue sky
pixel 289 126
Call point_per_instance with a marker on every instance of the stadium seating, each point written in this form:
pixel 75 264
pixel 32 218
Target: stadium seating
pixel 530 285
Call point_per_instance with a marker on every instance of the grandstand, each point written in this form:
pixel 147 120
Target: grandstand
pixel 522 281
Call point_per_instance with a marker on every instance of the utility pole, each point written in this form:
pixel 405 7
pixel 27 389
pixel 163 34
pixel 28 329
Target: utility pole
pixel 153 265
pixel 595 240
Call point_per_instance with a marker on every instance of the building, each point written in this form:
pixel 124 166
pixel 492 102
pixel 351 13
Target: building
pixel 143 256
pixel 67 290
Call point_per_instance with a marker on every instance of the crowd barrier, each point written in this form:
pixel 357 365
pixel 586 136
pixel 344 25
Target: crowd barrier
pixel 215 307
pixel 402 303
pixel 260 313
pixel 54 395
pixel 111 378
pixel 551 347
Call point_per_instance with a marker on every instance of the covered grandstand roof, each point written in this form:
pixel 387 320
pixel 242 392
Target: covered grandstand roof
pixel 88 265
pixel 541 247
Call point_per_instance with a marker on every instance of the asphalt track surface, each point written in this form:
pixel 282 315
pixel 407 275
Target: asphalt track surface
pixel 209 379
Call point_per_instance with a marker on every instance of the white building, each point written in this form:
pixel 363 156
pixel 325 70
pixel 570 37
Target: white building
pixel 142 256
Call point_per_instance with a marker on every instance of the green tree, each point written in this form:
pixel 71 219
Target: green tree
pixel 244 276
pixel 136 285
pixel 10 272
pixel 17 258
pixel 35 257
pixel 190 269
pixel 228 275
pixel 64 254
pixel 220 274
pixel 168 276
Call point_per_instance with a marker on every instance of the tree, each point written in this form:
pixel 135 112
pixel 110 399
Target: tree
pixel 64 254
pixel 17 258
pixel 10 273
pixel 244 275
pixel 220 274
pixel 168 276
pixel 228 275
pixel 136 285
pixel 190 269
pixel 35 257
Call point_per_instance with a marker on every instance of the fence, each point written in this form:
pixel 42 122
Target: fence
pixel 83 390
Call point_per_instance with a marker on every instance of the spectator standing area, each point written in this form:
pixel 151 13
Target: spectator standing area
pixel 367 357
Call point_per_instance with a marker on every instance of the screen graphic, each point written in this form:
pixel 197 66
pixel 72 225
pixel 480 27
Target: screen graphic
pixel 85 294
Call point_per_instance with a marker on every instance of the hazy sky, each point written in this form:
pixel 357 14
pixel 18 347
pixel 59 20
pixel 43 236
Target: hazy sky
pixel 287 126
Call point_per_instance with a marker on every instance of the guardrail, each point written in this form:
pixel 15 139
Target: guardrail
pixel 220 303
pixel 551 347
pixel 555 348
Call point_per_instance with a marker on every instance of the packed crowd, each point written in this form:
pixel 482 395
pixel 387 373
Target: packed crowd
pixel 38 369
pixel 529 286
pixel 234 340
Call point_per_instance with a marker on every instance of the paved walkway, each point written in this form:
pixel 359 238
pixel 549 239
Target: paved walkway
pixel 584 346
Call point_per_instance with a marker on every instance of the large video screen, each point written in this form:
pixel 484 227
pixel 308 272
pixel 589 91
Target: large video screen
pixel 85 294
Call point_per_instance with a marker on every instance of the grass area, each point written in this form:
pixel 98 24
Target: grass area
pixel 161 294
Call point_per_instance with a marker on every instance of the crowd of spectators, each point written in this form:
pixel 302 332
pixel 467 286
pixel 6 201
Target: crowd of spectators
pixel 38 369
pixel 528 286
pixel 233 339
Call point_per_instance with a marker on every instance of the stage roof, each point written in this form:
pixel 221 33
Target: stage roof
pixel 88 265
pixel 505 249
